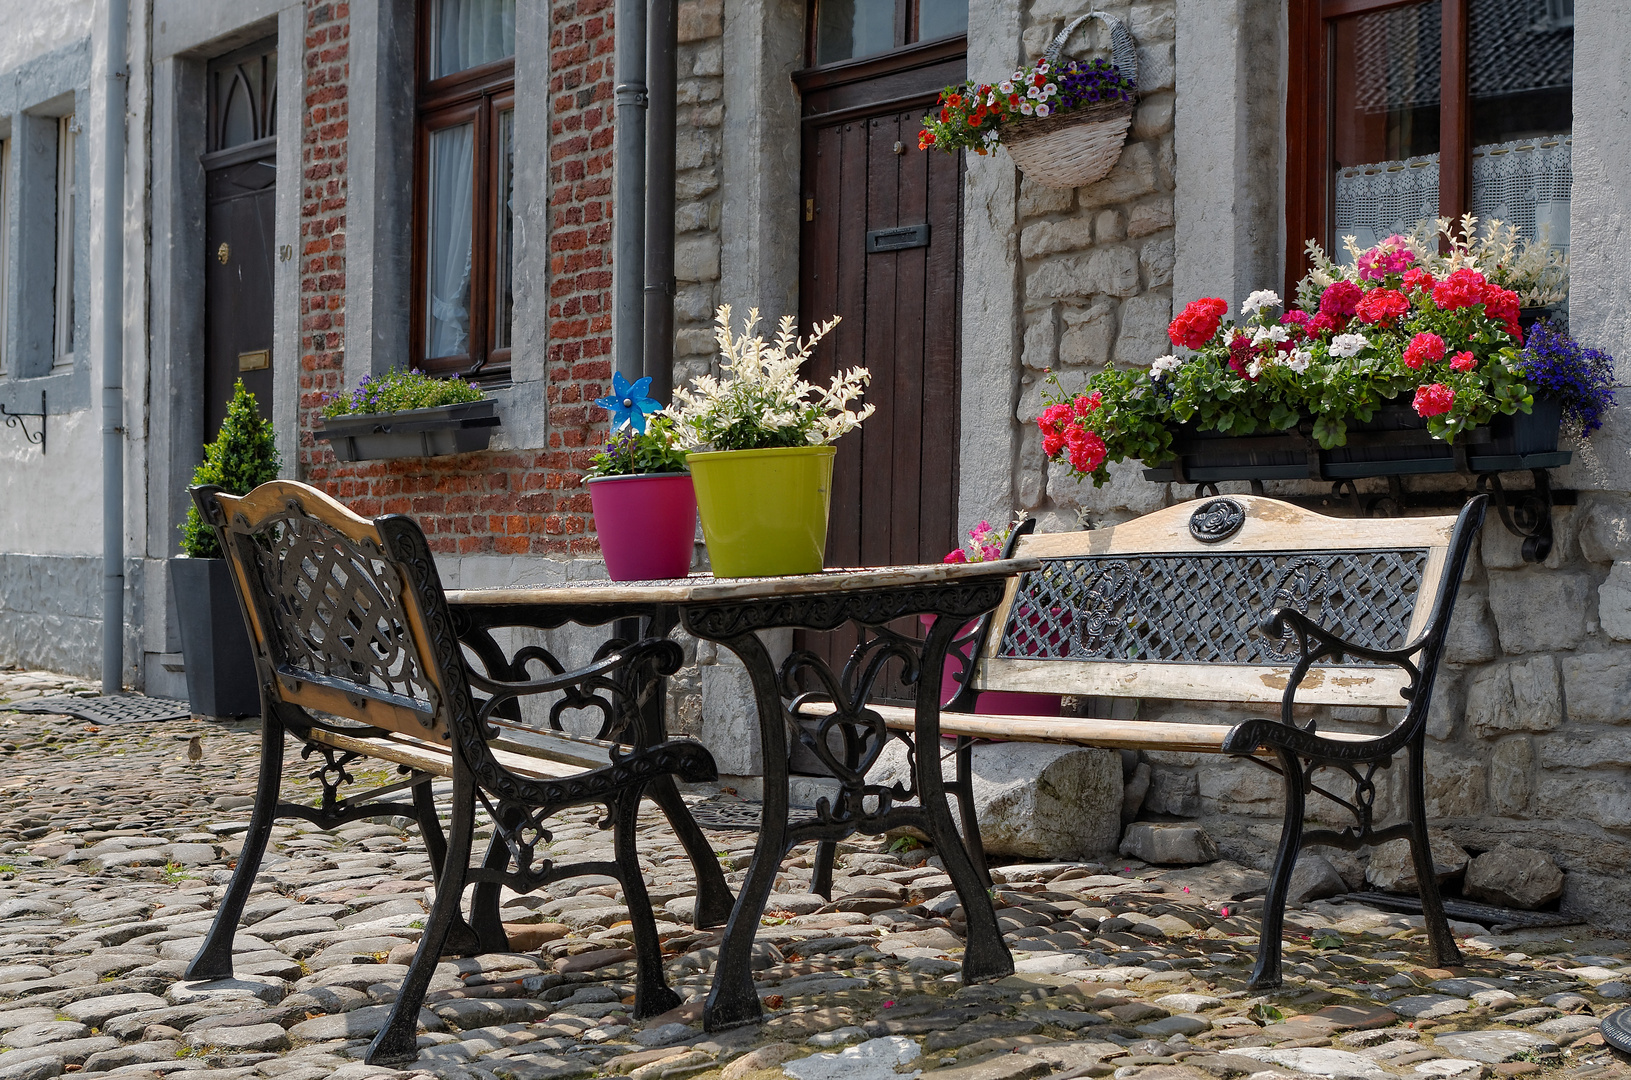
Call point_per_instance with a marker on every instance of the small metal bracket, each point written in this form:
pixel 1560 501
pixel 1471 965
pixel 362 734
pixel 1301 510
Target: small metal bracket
pixel 1529 517
pixel 16 420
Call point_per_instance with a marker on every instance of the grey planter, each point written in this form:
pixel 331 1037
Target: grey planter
pixel 221 677
pixel 433 432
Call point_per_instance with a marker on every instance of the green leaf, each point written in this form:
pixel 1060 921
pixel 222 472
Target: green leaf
pixel 1331 431
pixel 243 456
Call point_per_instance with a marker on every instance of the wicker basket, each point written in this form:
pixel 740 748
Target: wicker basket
pixel 1079 147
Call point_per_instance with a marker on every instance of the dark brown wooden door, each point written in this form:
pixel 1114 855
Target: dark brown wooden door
pixel 882 248
pixel 240 193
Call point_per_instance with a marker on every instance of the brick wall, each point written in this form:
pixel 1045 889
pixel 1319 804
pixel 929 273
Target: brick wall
pixel 525 501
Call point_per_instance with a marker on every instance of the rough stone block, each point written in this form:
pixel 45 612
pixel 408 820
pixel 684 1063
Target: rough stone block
pixel 1471 638
pixel 1153 117
pixel 730 726
pixel 1572 749
pixel 1455 786
pixel 1041 342
pixel 1035 800
pixel 1051 237
pixel 1605 529
pixel 1392 869
pixel 700 19
pixel 1510 785
pixel 1173 792
pixel 1537 694
pixel 696 258
pixel 1169 843
pixel 1109 226
pixel 1037 199
pixel 1540 610
pixel 1132 176
pixel 1514 877
pixel 1149 216
pixel 1603 801
pixel 1157 259
pixel 1614 602
pixel 1087 334
pixel 1314 878
pixel 1597 687
pixel 1143 335
pixel 1126 490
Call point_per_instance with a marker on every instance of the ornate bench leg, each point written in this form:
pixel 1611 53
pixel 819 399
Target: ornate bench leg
pixel 214 959
pixel 1266 975
pixel 461 939
pixel 714 899
pixel 1439 939
pixel 484 917
pixel 398 1042
pixel 964 790
pixel 652 996
pixel 821 880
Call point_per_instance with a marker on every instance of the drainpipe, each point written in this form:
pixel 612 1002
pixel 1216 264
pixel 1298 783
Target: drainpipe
pixel 662 70
pixel 628 220
pixel 113 357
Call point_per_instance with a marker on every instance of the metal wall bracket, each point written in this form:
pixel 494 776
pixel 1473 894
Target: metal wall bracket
pixel 18 420
pixel 1529 516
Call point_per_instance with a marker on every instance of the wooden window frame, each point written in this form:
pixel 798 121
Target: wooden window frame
pixel 908 17
pixel 64 339
pixel 475 95
pixel 1309 89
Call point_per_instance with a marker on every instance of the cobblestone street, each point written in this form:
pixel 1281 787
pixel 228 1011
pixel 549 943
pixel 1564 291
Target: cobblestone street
pixel 116 845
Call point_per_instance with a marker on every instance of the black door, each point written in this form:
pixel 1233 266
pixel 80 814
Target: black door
pixel 240 193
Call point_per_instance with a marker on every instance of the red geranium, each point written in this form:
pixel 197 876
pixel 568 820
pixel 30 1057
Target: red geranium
pixel 1463 361
pixel 1198 322
pixel 1297 320
pixel 956 556
pixel 1423 349
pixel 1086 450
pixel 1381 305
pixel 1502 306
pixel 1240 355
pixel 1324 324
pixel 1433 399
pixel 1340 299
pixel 1417 278
pixel 1462 289
pixel 1086 403
pixel 1053 421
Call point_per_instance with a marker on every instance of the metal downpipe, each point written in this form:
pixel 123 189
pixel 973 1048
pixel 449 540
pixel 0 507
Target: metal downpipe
pixel 113 355
pixel 662 71
pixel 628 219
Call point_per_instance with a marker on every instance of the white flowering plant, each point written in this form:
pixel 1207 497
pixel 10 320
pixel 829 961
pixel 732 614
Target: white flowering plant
pixel 761 401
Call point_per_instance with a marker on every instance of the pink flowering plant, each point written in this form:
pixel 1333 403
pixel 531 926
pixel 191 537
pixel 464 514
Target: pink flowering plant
pixel 1385 329
pixel 985 543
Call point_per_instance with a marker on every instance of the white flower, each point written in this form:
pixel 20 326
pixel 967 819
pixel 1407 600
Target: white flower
pixel 1006 86
pixel 991 136
pixel 1164 364
pixel 1299 360
pixel 1026 108
pixel 1349 344
pixel 991 99
pixel 1034 94
pixel 1257 301
pixel 1019 76
pixel 1255 368
pixel 1042 110
pixel 1275 333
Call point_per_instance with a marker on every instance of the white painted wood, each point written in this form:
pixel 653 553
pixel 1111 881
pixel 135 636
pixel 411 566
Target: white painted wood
pixel 1194 682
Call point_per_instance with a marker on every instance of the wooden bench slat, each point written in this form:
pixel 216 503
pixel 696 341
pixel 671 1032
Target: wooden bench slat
pixel 438 760
pixel 1346 685
pixel 1105 734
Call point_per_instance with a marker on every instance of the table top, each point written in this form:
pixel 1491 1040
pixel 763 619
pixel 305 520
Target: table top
pixel 705 588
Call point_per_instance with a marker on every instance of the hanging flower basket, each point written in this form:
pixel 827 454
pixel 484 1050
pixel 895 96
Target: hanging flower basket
pixel 1070 149
pixel 1063 121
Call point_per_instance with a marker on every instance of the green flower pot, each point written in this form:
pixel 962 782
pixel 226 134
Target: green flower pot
pixel 764 512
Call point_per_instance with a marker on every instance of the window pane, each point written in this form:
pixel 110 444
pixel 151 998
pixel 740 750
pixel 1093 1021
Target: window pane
pixel 847 29
pixel 238 116
pixel 447 278
pixel 1384 121
pixel 941 18
pixel 503 244
pixel 66 236
pixel 1521 83
pixel 469 33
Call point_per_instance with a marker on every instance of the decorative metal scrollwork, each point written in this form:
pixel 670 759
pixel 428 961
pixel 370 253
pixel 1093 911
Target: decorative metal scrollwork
pixel 1216 520
pixel 17 420
pixel 331 774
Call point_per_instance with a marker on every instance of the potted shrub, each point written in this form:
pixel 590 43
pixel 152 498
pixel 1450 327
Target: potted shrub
pixel 1062 121
pixel 645 508
pixel 221 677
pixel 1377 371
pixel 404 414
pixel 762 449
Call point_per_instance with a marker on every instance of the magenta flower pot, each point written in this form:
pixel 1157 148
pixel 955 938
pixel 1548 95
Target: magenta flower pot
pixel 990 702
pixel 647 524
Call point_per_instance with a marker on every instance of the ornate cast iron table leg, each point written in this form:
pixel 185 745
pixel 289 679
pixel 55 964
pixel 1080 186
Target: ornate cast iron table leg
pixel 732 1000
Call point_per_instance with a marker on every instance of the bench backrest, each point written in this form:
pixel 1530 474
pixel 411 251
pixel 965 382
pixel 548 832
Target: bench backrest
pixel 346 615
pixel 1170 605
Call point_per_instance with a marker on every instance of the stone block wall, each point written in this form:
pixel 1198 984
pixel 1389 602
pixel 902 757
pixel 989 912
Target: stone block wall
pixel 701 119
pixel 1096 262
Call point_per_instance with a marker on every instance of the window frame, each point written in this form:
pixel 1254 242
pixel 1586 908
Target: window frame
pixel 1309 89
pixel 67 213
pixel 5 249
pixel 908 21
pixel 477 96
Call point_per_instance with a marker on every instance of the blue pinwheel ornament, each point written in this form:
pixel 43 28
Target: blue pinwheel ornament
pixel 629 402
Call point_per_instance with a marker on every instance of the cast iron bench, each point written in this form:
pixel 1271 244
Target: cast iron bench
pixel 1237 599
pixel 356 656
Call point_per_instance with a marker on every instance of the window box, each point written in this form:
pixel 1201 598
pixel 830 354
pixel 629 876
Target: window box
pixel 443 429
pixel 1394 442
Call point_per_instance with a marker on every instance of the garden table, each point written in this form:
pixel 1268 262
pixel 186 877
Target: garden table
pixel 731 612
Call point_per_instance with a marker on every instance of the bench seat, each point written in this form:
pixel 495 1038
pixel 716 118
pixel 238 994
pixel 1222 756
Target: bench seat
pixel 1084 731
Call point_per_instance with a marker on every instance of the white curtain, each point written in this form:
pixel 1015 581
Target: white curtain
pixel 470 33
pixel 447 331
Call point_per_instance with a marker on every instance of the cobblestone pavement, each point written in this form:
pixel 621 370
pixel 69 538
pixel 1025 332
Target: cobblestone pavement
pixel 115 847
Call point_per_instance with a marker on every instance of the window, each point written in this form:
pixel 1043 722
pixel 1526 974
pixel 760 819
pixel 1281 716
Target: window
pixel 851 29
pixel 1400 112
pixel 463 226
pixel 67 235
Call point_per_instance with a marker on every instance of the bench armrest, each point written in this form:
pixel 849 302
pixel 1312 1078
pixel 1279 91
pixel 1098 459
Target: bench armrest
pixel 1315 642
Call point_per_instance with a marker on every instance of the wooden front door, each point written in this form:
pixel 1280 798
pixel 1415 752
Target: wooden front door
pixel 240 196
pixel 882 248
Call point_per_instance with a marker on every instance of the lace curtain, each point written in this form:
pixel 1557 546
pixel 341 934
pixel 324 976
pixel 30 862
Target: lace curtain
pixel 447 328
pixel 1524 183
pixel 469 33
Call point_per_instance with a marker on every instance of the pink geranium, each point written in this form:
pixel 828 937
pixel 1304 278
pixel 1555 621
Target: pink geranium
pixel 1423 349
pixel 1433 399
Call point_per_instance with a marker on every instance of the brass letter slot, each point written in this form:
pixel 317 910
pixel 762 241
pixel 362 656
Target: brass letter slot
pixel 259 360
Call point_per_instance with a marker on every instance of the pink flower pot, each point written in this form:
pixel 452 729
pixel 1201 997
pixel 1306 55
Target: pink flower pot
pixel 647 524
pixel 990 702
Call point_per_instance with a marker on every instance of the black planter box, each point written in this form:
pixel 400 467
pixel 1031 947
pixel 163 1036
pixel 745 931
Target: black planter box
pixel 443 429
pixel 1394 442
pixel 221 677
